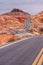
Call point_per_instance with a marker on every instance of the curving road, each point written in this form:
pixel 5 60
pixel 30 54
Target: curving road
pixel 21 53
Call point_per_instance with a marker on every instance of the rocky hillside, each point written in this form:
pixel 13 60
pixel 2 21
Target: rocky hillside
pixel 37 23
pixel 10 23
pixel 6 38
pixel 16 20
pixel 13 20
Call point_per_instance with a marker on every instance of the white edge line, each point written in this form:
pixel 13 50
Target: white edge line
pixel 15 42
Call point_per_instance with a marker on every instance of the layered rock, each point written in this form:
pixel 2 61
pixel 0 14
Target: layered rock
pixel 37 23
pixel 10 22
pixel 6 38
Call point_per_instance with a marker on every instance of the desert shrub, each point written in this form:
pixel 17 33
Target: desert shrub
pixel 11 40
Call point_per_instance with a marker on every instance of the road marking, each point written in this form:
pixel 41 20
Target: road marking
pixel 39 58
pixel 40 61
pixel 16 42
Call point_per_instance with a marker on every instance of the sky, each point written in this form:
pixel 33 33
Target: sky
pixel 30 6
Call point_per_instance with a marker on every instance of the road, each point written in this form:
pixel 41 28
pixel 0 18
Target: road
pixel 21 53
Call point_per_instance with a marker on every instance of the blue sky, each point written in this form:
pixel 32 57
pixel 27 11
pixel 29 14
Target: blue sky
pixel 31 6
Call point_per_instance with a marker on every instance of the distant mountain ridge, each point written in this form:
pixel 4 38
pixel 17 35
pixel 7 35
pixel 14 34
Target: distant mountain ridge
pixel 17 13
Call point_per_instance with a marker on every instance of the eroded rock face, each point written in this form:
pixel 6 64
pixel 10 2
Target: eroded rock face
pixel 6 38
pixel 37 23
pixel 10 22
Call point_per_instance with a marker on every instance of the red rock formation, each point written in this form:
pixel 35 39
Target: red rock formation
pixel 13 20
pixel 5 38
pixel 37 22
pixel 10 22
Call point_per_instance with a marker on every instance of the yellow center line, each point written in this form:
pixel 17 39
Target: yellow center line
pixel 39 57
pixel 40 61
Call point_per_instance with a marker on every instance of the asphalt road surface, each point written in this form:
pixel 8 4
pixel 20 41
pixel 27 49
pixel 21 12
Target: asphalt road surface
pixel 21 53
